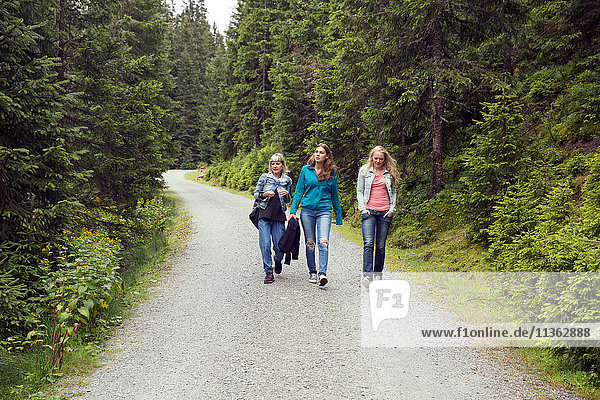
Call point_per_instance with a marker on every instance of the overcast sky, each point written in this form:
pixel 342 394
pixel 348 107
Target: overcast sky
pixel 218 11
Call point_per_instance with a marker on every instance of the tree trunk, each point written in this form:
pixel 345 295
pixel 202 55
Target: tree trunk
pixel 404 153
pixel 437 109
pixel 61 39
pixel 437 136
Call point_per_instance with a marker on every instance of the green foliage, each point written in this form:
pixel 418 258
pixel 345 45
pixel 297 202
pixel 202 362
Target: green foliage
pixel 537 228
pixel 493 162
pixel 249 91
pixel 37 163
pixel 241 172
pixel 59 148
pixel 591 200
pixel 15 311
pixel 82 280
pixel 120 66
pixel 298 57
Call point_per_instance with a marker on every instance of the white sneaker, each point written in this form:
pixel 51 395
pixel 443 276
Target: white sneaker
pixel 322 279
pixel 312 277
pixel 366 281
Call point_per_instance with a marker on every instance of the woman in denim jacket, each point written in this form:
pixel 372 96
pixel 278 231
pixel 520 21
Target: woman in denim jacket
pixel 272 193
pixel 376 194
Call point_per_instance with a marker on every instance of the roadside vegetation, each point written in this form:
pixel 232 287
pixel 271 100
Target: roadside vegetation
pixel 97 277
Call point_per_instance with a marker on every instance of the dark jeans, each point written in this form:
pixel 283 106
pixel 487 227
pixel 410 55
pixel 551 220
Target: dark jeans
pixel 374 231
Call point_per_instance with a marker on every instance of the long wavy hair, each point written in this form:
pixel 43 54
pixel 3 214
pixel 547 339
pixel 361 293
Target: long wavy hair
pixel 328 165
pixel 389 163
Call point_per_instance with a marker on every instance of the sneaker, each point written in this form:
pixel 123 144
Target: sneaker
pixel 277 267
pixel 322 279
pixel 269 278
pixel 313 277
pixel 366 281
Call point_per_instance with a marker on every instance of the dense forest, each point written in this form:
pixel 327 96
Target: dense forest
pixel 491 108
pixel 86 115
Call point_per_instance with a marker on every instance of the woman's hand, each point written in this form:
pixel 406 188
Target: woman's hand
pixel 365 212
pixel 388 214
pixel 282 192
pixel 268 194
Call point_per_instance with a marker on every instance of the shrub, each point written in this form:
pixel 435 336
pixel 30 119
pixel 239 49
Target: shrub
pixel 82 280
pixel 241 172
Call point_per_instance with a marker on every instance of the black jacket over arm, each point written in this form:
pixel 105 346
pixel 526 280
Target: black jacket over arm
pixel 289 243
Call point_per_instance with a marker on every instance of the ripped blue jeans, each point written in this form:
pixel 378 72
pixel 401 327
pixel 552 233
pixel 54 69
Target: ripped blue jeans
pixel 316 224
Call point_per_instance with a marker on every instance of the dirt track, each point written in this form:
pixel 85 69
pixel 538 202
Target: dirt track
pixel 213 330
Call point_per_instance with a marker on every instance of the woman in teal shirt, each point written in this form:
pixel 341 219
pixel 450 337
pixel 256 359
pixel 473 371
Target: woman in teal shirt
pixel 317 192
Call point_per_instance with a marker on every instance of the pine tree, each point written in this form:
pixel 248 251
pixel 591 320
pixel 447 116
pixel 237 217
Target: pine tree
pixel 298 52
pixel 250 91
pixel 431 47
pixel 192 50
pixel 121 68
pixel 214 111
pixel 37 173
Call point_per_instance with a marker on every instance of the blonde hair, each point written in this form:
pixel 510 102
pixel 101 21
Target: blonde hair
pixel 328 166
pixel 388 162
pixel 278 157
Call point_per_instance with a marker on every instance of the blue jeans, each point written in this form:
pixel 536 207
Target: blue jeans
pixel 316 223
pixel 267 230
pixel 374 231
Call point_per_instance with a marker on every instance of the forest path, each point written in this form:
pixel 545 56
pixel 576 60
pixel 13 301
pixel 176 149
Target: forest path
pixel 213 330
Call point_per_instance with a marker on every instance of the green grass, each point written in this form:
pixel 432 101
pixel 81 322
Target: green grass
pixel 560 370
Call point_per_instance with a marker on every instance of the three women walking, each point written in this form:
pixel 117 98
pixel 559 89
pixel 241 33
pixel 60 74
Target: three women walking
pixel 376 195
pixel 316 195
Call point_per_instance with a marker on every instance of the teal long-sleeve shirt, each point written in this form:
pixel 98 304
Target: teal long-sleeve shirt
pixel 316 195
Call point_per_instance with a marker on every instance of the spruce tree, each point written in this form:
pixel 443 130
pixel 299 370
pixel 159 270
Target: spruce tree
pixel 298 55
pixel 250 92
pixel 191 52
pixel 121 68
pixel 37 172
pixel 214 111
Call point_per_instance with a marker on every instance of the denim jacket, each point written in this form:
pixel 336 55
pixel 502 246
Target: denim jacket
pixel 267 182
pixel 363 187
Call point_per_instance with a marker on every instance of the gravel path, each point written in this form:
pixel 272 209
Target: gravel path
pixel 213 330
